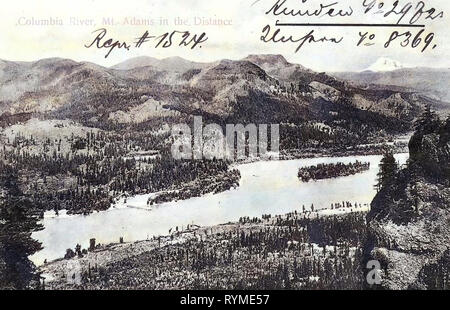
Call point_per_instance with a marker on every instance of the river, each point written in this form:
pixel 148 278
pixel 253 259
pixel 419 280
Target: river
pixel 266 187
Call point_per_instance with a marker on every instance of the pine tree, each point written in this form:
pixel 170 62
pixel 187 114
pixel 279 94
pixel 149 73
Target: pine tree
pixel 388 168
pixel 445 131
pixel 17 222
pixel 428 122
pixel 16 244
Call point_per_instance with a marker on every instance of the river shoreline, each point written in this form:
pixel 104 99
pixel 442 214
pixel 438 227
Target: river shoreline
pixel 58 273
pixel 270 187
pixel 119 201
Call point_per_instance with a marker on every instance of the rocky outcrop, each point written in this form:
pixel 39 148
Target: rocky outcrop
pixel 409 222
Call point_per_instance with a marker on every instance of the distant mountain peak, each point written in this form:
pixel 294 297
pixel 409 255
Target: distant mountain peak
pixel 178 58
pixel 54 61
pixel 174 63
pixel 384 64
pixel 269 59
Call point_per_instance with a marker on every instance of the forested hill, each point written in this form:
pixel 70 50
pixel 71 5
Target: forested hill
pixel 409 223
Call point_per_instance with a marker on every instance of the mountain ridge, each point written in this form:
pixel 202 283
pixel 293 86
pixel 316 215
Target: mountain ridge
pixel 169 63
pixel 430 82
pixel 258 88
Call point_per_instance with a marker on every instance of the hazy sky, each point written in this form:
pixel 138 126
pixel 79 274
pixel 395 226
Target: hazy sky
pixel 23 37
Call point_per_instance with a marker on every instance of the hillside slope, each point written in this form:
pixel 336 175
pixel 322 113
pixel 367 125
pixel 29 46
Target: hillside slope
pixel 409 223
pixel 257 89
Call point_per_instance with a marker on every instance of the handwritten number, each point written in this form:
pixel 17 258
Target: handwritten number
pixel 393 36
pixel 405 42
pixel 428 39
pixel 415 42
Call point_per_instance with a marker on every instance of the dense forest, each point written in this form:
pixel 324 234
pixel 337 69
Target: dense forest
pixel 86 173
pixel 328 171
pixel 18 219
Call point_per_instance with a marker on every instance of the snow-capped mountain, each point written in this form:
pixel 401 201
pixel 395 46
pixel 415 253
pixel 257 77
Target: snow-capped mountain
pixel 384 64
